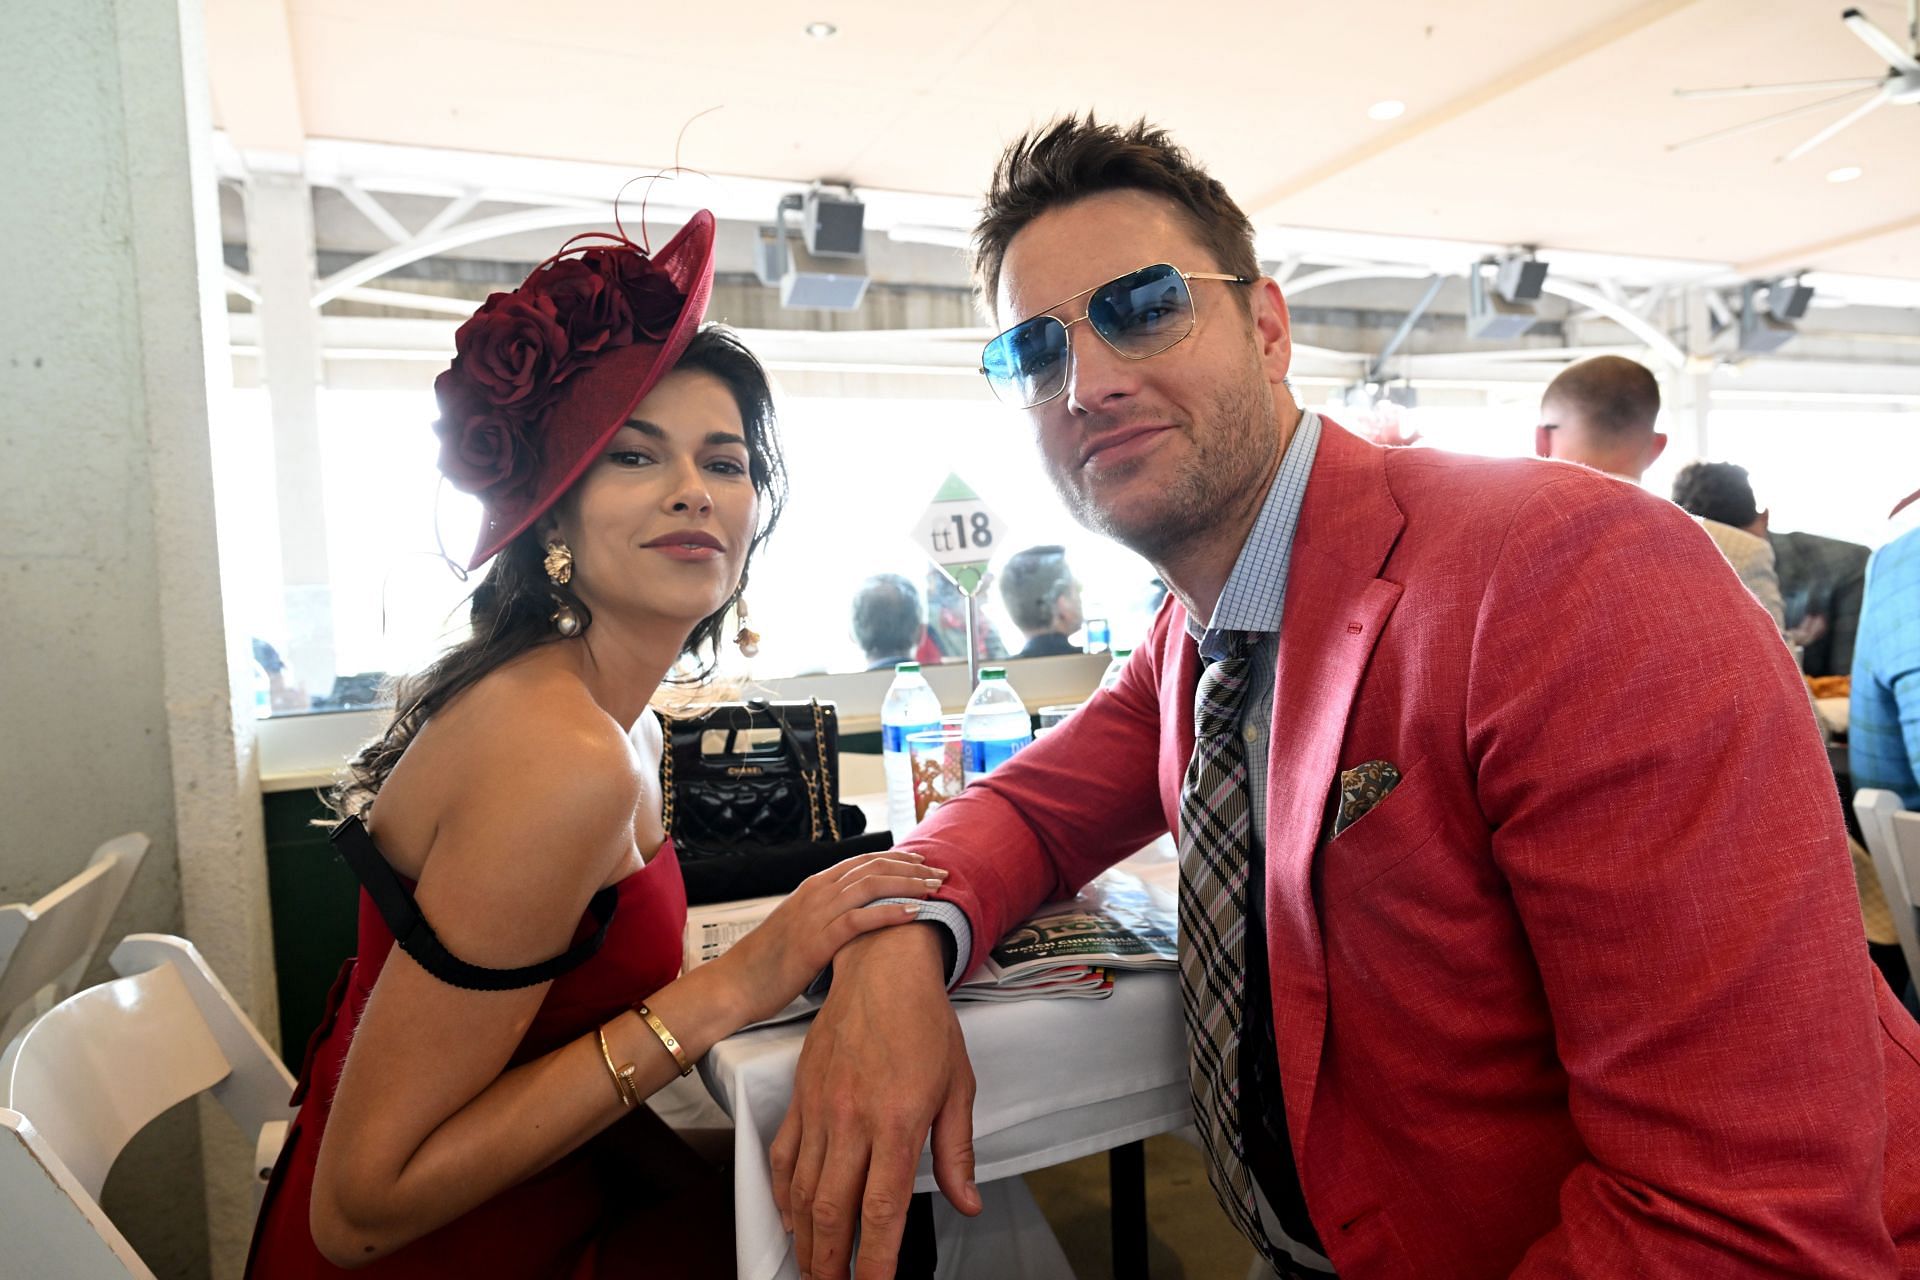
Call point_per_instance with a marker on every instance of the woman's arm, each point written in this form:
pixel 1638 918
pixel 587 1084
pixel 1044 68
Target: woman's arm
pixel 428 1123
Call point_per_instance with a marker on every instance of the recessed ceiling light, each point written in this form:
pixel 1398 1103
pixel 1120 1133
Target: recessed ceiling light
pixel 1386 109
pixel 1846 173
pixel 822 30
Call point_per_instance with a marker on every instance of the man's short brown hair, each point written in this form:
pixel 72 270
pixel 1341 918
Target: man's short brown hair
pixel 1614 395
pixel 1072 158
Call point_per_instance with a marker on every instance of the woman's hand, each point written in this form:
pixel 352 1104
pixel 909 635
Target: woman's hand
pixel 778 959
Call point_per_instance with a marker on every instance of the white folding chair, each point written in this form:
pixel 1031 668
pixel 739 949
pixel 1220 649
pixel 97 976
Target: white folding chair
pixel 101 1065
pixel 53 1227
pixel 1893 841
pixel 45 947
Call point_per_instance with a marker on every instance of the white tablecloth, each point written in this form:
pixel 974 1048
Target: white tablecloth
pixel 1058 1079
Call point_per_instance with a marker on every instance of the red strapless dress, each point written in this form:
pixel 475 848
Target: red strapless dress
pixel 633 1201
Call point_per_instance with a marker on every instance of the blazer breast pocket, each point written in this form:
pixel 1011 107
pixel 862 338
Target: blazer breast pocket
pixel 1397 826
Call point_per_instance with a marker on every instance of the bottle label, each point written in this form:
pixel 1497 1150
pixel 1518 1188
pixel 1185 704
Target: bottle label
pixel 984 755
pixel 893 737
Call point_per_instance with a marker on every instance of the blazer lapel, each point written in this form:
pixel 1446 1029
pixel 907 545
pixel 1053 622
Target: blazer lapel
pixel 1336 606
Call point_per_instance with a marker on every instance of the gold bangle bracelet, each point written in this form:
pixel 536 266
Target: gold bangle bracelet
pixel 622 1076
pixel 667 1038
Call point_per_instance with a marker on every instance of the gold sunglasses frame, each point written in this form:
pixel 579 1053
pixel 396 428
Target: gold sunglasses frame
pixel 1067 325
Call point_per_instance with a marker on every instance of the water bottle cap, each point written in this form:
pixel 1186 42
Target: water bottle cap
pixel 993 673
pixel 906 668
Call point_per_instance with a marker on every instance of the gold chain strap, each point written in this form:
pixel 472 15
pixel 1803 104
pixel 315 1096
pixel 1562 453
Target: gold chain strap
pixel 666 773
pixel 816 780
pixel 820 757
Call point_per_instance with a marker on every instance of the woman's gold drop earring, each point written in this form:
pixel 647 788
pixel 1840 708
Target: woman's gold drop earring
pixel 747 638
pixel 559 563
pixel 559 567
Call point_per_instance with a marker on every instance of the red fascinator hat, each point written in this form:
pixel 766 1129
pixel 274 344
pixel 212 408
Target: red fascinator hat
pixel 544 376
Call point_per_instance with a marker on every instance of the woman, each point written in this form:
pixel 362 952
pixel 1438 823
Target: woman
pixel 472 1103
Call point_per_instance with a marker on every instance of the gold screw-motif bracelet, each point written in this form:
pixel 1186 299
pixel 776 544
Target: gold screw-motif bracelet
pixel 622 1076
pixel 667 1037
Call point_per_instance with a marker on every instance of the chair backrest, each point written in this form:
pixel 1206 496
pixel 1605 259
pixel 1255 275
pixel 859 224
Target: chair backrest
pixel 50 1225
pixel 50 943
pixel 99 1066
pixel 1893 841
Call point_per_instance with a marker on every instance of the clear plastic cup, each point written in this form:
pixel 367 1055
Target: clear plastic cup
pixel 1053 715
pixel 936 758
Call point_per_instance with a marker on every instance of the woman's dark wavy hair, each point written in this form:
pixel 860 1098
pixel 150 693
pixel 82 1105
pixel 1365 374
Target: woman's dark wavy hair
pixel 513 606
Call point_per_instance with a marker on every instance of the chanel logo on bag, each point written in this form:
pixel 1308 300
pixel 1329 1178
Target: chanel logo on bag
pixel 744 771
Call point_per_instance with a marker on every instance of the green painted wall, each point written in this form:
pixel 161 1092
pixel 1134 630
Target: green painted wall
pixel 313 899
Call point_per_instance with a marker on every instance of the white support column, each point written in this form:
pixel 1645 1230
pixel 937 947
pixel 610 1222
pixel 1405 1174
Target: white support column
pixel 1690 397
pixel 280 253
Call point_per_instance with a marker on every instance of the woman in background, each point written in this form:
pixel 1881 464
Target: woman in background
pixel 472 1102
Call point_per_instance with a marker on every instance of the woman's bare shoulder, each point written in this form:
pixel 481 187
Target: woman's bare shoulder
pixel 525 743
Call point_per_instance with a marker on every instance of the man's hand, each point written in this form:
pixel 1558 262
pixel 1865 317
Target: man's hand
pixel 883 1062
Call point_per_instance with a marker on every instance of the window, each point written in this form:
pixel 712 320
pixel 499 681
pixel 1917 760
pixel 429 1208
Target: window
pixel 862 469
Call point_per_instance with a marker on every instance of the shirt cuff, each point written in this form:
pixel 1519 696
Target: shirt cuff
pixel 944 915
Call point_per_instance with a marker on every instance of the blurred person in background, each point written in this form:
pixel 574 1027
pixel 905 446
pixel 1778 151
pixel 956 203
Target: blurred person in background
pixel 1040 592
pixel 1822 580
pixel 887 621
pixel 946 638
pixel 1600 414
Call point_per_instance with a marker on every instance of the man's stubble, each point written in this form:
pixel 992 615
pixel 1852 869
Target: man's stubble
pixel 1221 477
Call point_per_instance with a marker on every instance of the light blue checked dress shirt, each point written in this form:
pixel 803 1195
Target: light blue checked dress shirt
pixel 1252 600
pixel 1883 718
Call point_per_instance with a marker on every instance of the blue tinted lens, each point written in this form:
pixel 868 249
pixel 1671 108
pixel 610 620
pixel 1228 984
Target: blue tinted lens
pixel 1028 363
pixel 1144 313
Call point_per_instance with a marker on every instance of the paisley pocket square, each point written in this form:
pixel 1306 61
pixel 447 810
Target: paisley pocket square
pixel 1361 788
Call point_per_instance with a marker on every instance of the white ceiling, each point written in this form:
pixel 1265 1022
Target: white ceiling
pixel 1525 123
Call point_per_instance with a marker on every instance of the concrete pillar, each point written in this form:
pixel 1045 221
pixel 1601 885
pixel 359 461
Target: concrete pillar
pixel 117 709
pixel 280 258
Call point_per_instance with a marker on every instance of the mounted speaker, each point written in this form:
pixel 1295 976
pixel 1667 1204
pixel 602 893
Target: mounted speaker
pixel 834 226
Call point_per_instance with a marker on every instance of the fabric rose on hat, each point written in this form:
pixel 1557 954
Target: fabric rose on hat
pixel 482 449
pixel 592 307
pixel 653 299
pixel 656 302
pixel 512 347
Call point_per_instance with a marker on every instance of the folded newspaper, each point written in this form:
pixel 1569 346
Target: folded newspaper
pixel 1066 950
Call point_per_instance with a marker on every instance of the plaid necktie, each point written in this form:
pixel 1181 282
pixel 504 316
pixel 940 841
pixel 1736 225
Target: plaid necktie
pixel 1215 824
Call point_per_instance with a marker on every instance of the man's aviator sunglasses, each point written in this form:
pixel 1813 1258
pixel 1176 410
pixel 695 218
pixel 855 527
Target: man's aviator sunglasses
pixel 1139 314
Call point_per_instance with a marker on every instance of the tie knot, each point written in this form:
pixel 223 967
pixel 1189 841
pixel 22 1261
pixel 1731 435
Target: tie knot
pixel 1223 686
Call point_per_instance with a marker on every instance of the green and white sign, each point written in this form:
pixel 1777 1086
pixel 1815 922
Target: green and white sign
pixel 959 533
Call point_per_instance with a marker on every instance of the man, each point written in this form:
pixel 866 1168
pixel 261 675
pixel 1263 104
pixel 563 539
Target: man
pixel 887 621
pixel 1883 715
pixel 1600 414
pixel 1883 720
pixel 1517 937
pixel 1822 580
pixel 1043 599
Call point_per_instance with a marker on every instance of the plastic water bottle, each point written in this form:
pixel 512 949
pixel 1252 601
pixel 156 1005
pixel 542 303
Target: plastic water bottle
pixel 994 727
pixel 1111 676
pixel 1099 635
pixel 910 707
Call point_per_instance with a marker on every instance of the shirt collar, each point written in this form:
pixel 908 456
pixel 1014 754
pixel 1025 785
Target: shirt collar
pixel 1256 591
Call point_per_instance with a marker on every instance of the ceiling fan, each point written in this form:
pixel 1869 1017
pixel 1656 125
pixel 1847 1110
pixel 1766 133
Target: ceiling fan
pixel 1900 87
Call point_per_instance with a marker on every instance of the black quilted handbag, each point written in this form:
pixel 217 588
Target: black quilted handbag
pixel 753 778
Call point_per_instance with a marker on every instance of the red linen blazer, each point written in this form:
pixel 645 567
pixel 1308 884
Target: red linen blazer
pixel 1587 994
